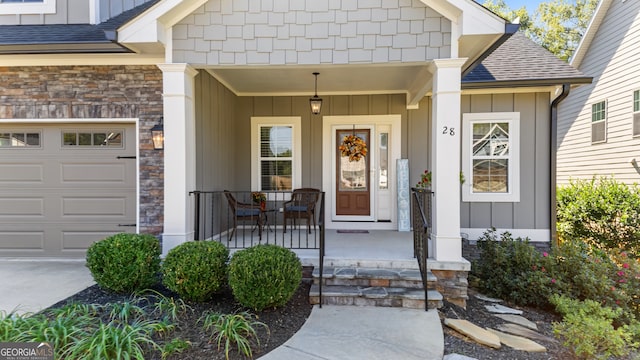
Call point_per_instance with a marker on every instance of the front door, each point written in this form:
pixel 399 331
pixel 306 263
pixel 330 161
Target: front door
pixel 363 190
pixel 353 190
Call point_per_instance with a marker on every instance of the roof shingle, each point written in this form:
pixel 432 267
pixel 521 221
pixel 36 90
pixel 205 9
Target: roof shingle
pixel 520 60
pixel 16 36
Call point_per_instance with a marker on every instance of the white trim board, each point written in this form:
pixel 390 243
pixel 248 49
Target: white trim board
pixel 534 235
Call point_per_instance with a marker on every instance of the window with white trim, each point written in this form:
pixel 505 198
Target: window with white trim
pixel 636 113
pixel 599 122
pixel 9 7
pixel 491 157
pixel 20 139
pixel 92 138
pixel 275 153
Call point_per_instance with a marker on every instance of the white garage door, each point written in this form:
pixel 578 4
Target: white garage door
pixel 65 186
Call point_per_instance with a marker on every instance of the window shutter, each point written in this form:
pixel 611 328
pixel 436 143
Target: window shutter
pixel 598 131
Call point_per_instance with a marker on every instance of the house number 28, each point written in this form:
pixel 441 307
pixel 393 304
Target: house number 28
pixel 448 131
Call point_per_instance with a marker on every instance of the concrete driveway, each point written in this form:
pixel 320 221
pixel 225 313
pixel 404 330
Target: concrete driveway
pixel 28 286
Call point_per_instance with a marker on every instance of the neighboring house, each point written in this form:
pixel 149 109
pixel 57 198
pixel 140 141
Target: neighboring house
pixel 599 124
pixel 443 83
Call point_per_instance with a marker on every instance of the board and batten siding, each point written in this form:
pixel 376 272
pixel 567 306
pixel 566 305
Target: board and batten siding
pixel 223 125
pixel 532 212
pixel 613 59
pixel 217 146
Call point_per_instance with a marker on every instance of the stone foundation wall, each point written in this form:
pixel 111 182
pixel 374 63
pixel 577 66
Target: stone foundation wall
pixel 453 286
pixel 471 252
pixel 80 92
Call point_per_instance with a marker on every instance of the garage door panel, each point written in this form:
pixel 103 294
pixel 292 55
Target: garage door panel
pixel 10 173
pixel 14 206
pixel 94 173
pixel 81 240
pixel 94 206
pixel 22 240
pixel 56 200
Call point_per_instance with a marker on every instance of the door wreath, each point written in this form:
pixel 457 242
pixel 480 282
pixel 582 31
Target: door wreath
pixel 353 147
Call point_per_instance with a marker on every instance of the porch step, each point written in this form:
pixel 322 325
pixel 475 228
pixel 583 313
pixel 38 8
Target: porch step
pixel 374 287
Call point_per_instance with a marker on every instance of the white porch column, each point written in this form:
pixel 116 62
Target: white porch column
pixel 179 153
pixel 445 158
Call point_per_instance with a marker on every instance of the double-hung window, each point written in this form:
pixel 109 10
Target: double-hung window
pixel 599 122
pixel 491 157
pixel 275 153
pixel 636 113
pixel 27 7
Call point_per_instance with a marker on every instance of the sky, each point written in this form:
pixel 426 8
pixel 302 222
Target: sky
pixel 531 5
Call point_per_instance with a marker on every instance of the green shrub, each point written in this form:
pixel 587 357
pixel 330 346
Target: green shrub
pixel 512 269
pixel 587 328
pixel 125 262
pixel 582 272
pixel 231 329
pixel 264 276
pixel 602 212
pixel 196 270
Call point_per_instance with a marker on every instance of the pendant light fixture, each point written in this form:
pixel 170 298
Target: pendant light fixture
pixel 315 101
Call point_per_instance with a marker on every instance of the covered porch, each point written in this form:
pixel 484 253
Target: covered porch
pixel 238 74
pixel 358 256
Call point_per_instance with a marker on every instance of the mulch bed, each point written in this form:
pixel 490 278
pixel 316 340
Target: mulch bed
pixel 477 314
pixel 282 322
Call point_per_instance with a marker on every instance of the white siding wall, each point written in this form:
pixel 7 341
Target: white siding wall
pixel 613 60
pixel 239 32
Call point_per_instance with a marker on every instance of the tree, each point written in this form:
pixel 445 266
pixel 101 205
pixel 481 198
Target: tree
pixel 562 25
pixel 501 8
pixel 557 25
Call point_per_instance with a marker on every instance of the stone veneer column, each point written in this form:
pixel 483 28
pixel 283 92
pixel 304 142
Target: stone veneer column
pixel 445 158
pixel 179 153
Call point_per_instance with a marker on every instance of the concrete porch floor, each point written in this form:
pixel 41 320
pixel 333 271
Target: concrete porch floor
pixel 377 248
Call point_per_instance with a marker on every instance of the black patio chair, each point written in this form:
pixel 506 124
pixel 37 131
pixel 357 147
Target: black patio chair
pixel 244 212
pixel 301 206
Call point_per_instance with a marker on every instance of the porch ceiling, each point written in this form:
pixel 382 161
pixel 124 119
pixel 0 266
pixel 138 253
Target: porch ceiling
pixel 333 80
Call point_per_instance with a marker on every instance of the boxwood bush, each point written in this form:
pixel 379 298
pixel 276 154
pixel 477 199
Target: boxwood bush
pixel 125 262
pixel 264 276
pixel 196 270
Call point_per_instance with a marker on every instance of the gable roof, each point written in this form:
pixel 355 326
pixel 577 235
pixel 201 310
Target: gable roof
pixel 67 38
pixel 520 62
pixel 590 33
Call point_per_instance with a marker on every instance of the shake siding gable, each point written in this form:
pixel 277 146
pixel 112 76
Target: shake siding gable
pixel 313 33
pixel 613 59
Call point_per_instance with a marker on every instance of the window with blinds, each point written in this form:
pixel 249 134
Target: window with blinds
pixel 599 122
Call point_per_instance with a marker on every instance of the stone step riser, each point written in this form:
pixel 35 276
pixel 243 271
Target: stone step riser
pixel 413 301
pixel 409 284
pixel 363 286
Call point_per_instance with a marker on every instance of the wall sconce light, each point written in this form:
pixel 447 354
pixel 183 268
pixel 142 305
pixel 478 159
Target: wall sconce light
pixel 315 101
pixel 157 135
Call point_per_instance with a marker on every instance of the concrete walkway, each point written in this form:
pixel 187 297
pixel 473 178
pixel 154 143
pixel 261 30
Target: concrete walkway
pixel 28 286
pixel 352 332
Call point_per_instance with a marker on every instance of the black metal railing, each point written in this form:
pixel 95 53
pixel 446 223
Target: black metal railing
pixel 238 219
pixel 422 200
